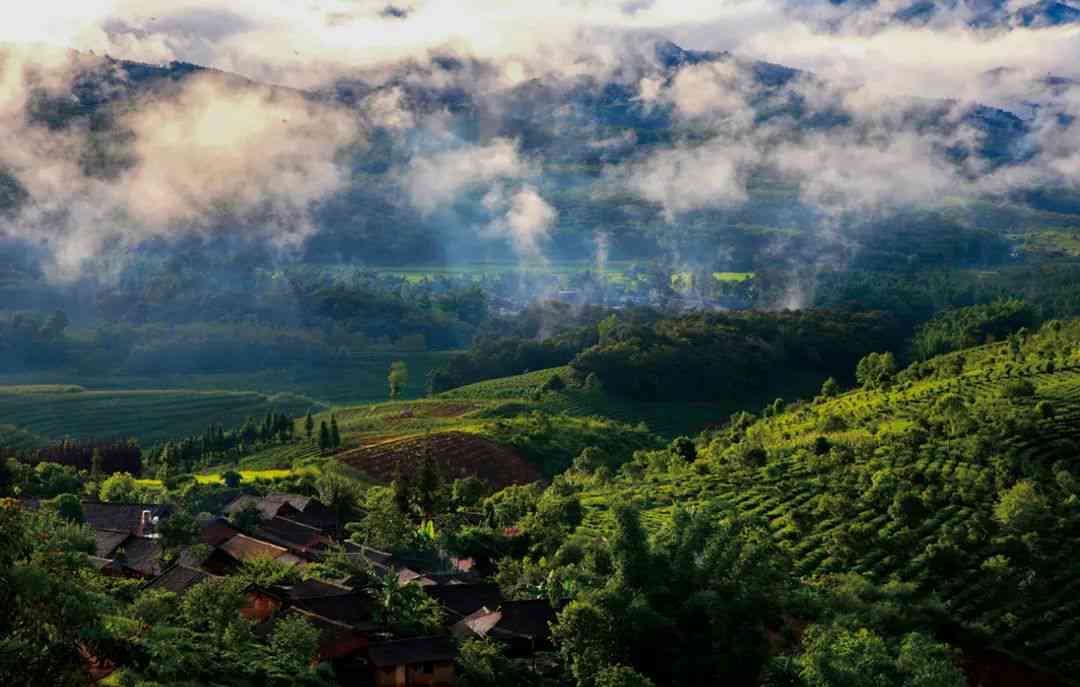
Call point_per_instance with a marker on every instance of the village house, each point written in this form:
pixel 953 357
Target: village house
pixel 305 510
pixel 179 579
pixel 523 626
pixel 461 600
pixel 344 617
pixel 418 662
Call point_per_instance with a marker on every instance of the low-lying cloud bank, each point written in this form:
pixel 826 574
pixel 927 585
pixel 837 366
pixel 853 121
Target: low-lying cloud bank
pixel 204 159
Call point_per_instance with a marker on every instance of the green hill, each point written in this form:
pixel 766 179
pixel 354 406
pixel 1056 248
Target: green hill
pixel 961 476
pixel 668 419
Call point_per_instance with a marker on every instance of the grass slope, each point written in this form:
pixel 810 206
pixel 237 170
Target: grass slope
pixel 666 419
pixel 148 416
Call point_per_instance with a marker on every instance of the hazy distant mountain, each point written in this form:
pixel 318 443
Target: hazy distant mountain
pixel 593 143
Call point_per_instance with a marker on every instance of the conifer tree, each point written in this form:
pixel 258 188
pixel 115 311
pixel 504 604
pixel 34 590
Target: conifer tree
pixel 335 435
pixel 324 436
pixel 309 425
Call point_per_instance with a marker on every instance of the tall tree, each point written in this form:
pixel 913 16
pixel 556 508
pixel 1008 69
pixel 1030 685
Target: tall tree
pixel 335 435
pixel 309 425
pixel 324 436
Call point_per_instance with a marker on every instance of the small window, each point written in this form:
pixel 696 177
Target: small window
pixel 426 668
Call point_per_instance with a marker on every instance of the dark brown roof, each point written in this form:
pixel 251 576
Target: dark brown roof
pixel 217 531
pixel 142 554
pixel 464 599
pixel 355 609
pixel 245 548
pixel 179 579
pixel 292 535
pixel 297 501
pixel 409 570
pixel 271 503
pixel 266 510
pixel 216 501
pixel 411 651
pixel 427 579
pixel 119 516
pixel 315 515
pixel 217 563
pixel 312 588
pixel 103 564
pixel 528 618
pixel 107 541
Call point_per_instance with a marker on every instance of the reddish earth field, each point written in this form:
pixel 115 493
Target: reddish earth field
pixel 458 454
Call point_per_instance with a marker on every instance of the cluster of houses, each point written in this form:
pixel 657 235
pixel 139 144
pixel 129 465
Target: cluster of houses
pixel 299 530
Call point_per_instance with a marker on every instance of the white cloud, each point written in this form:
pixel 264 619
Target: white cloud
pixel 210 157
pixel 526 218
pixel 437 179
pixel 687 178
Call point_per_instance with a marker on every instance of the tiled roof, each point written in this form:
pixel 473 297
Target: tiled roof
pixel 217 563
pixel 179 579
pixel 406 575
pixel 465 599
pixel 216 501
pixel 354 609
pixel 245 548
pixel 266 509
pixel 102 564
pixel 522 624
pixel 301 509
pixel 313 588
pixel 119 516
pixel 142 554
pixel 480 623
pixel 297 501
pixel 216 532
pixel 291 534
pixel 411 651
pixel 528 618
pixel 107 541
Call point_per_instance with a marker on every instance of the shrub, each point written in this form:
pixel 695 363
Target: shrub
pixel 1021 507
pixel 833 423
pixel 876 371
pixel 1021 388
pixel 821 446
pixel 684 448
pixel 830 388
pixel 554 384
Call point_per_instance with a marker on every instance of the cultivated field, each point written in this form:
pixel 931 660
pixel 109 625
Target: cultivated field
pixel 457 454
pixel 148 416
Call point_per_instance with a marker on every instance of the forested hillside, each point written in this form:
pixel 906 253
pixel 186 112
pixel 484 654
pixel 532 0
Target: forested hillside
pixel 956 476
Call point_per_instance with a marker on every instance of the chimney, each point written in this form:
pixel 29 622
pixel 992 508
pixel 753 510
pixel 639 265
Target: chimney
pixel 144 524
